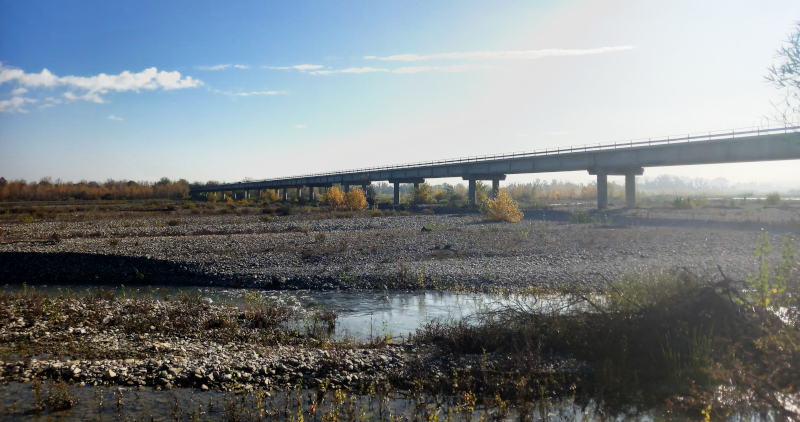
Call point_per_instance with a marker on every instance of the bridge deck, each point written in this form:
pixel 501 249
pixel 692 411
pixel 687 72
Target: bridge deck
pixel 602 159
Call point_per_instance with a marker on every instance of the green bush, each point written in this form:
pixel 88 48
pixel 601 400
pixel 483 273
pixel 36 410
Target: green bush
pixel 773 198
pixel 424 194
pixel 579 217
pixel 681 203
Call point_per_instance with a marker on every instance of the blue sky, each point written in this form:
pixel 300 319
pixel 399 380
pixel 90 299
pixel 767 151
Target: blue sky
pixel 228 90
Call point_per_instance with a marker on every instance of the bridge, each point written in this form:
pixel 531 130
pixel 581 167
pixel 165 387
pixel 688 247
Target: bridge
pixel 627 158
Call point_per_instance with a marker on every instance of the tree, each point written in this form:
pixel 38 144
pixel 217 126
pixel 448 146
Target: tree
pixel 786 77
pixel 334 198
pixel 355 200
pixel 424 194
pixel 502 208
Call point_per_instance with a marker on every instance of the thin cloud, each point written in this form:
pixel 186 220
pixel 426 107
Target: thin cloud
pixel 16 104
pixel 94 86
pixel 223 67
pixel 350 70
pixel 113 117
pixel 301 126
pixel 504 55
pixel 19 91
pixel 249 94
pixel 417 69
pixel 300 67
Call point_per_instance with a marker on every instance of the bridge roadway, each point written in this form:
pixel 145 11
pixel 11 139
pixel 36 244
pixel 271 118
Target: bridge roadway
pixel 621 158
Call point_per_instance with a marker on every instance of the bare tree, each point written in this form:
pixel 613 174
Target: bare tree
pixel 786 77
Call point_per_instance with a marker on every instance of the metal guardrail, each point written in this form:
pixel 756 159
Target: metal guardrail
pixel 692 137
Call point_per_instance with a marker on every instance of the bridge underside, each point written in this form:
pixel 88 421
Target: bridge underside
pixel 628 161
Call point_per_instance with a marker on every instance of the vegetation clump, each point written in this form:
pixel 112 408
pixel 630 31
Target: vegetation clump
pixel 580 217
pixel 502 208
pixel 334 198
pixel 423 194
pixel 682 203
pixel 773 198
pixel 355 200
pixel 707 345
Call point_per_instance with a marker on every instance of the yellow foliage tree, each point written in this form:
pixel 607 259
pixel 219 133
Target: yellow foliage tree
pixel 502 208
pixel 334 198
pixel 270 195
pixel 424 194
pixel 356 200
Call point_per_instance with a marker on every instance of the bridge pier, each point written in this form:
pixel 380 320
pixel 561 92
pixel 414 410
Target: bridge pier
pixel 602 191
pixel 299 193
pixel 415 180
pixel 630 174
pixel 472 196
pixel 310 193
pixel 473 184
pixel 630 190
pixel 345 188
pixel 284 193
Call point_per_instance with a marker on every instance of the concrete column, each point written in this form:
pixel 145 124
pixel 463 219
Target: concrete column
pixel 602 191
pixel 630 190
pixel 299 193
pixel 285 193
pixel 310 193
pixel 472 197
pixel 345 188
pixel 397 193
pixel 364 189
pixel 495 187
pixel 416 185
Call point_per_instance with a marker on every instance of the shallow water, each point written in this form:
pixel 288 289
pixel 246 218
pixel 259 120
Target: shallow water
pixel 115 404
pixel 361 314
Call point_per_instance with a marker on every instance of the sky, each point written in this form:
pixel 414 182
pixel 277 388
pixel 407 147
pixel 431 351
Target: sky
pixel 224 91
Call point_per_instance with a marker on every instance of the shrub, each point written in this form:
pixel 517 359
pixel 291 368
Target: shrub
pixel 773 198
pixel 173 223
pixel 113 241
pixel 229 200
pixel 270 196
pixel 579 217
pixel 502 208
pixel 212 198
pixel 266 218
pixel 423 194
pixel 334 198
pixel 681 203
pixel 427 211
pixel 376 213
pixel 355 200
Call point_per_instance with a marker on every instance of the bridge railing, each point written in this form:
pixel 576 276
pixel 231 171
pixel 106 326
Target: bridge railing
pixel 668 140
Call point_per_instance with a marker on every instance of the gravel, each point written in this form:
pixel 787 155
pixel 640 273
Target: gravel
pixel 295 252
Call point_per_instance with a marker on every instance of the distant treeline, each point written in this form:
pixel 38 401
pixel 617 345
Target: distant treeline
pixel 48 190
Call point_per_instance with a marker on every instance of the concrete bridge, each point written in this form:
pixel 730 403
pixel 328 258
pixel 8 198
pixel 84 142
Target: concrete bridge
pixel 620 158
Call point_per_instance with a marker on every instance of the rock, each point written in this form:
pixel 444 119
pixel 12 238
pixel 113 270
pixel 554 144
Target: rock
pixel 109 374
pixel 204 387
